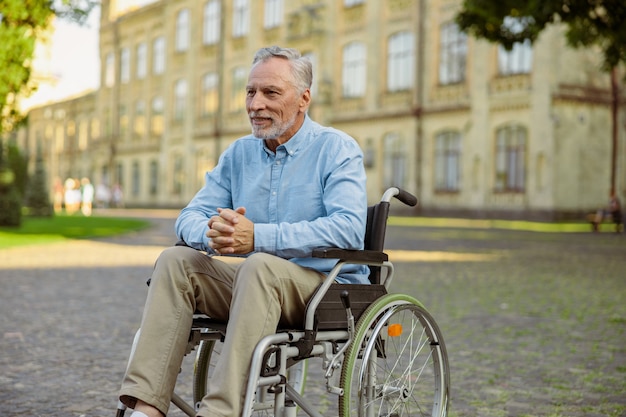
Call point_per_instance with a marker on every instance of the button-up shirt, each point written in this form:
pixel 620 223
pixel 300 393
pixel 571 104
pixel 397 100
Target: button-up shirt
pixel 310 193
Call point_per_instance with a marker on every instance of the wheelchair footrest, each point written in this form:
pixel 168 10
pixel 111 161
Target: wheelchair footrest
pixel 331 314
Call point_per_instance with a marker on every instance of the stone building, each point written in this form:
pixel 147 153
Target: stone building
pixel 468 127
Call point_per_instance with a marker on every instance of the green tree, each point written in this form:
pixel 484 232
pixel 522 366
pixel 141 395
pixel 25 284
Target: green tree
pixel 38 194
pixel 600 23
pixel 18 163
pixel 22 23
pixel 10 198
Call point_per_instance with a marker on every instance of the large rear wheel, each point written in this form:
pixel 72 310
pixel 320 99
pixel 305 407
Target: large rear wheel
pixel 397 364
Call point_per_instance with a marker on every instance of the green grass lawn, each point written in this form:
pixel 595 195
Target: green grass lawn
pixel 45 230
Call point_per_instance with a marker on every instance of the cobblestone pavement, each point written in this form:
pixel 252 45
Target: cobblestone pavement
pixel 535 324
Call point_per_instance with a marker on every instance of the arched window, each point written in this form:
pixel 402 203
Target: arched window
pixel 211 23
pixel 158 55
pixel 395 160
pixel 400 62
pixel 135 185
pixel 518 60
pixel 452 54
pixel 273 16
pixel 182 30
pixel 241 18
pixel 209 99
pixel 448 161
pixel 353 73
pixel 510 164
pixel 180 99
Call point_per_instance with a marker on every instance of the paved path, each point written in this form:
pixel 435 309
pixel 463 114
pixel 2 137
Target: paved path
pixel 535 324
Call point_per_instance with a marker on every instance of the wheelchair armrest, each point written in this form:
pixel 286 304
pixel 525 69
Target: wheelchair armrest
pixel 347 255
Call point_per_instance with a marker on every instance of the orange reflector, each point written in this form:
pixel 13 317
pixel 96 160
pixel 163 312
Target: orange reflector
pixel 394 330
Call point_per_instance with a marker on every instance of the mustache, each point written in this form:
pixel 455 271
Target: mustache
pixel 258 114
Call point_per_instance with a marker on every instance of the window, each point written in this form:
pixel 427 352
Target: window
pixel 124 65
pixel 180 99
pixel 83 134
pixel 108 129
pixel 394 160
pixel 158 55
pixel 123 120
pixel 212 22
pixel 94 128
pixel 241 18
pixel 353 73
pixel 156 121
pixel 452 54
pixel 178 178
pixel 135 179
pixel 109 70
pixel 119 170
pixel 142 64
pixel 209 97
pixel 516 61
pixel 400 62
pixel 273 13
pixel 519 59
pixel 154 178
pixel 238 92
pixel 510 159
pixel 182 31
pixel 447 161
pixel 140 118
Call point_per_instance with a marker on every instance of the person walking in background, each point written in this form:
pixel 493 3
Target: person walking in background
pixel 615 209
pixel 118 196
pixel 103 196
pixel 87 194
pixel 72 196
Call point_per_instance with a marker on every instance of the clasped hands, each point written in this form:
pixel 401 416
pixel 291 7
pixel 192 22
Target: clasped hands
pixel 231 232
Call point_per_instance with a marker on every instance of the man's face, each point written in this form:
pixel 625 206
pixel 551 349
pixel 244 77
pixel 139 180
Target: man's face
pixel 275 108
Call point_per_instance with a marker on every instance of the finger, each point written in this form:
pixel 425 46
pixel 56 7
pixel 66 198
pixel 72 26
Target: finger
pixel 222 226
pixel 215 219
pixel 219 248
pixel 229 215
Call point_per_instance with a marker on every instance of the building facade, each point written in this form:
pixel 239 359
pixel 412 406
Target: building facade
pixel 470 128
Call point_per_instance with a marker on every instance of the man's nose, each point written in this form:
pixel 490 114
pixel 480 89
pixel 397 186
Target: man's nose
pixel 256 102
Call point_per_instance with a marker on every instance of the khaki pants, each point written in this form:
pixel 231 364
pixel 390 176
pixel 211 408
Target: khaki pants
pixel 254 296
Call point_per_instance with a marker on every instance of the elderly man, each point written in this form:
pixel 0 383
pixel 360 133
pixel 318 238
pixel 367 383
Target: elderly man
pixel 275 195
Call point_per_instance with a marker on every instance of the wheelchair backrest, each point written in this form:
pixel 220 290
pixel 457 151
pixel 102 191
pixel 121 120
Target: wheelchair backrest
pixel 375 234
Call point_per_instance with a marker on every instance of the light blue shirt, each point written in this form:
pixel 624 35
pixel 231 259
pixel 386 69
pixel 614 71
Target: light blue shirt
pixel 310 194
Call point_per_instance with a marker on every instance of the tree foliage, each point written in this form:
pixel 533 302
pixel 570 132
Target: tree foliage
pixel 588 22
pixel 22 23
pixel 10 198
pixel 37 196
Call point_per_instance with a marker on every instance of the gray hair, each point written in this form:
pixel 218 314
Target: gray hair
pixel 301 67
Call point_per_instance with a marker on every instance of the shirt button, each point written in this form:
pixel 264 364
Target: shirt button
pixel 273 192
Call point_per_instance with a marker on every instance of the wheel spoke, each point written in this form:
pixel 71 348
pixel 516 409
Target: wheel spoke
pixel 395 370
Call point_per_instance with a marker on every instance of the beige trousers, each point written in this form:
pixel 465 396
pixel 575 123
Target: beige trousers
pixel 254 296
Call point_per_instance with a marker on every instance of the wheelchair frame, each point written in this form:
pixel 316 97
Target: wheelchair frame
pixel 355 342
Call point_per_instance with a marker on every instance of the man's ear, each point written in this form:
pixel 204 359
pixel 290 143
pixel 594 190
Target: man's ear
pixel 305 100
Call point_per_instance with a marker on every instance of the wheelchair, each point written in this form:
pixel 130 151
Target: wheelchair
pixel 382 353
